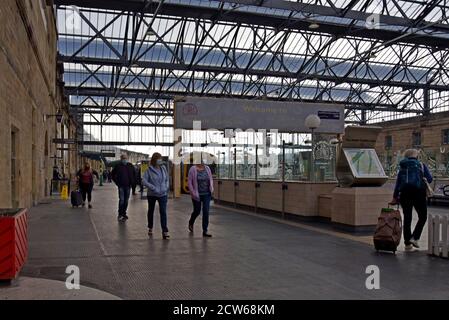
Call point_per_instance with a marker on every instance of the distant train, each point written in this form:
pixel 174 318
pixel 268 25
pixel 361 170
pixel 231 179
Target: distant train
pixel 186 164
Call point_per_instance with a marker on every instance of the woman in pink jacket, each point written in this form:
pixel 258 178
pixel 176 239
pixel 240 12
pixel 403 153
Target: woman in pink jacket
pixel 201 187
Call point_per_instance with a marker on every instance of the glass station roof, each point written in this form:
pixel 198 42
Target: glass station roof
pixel 378 58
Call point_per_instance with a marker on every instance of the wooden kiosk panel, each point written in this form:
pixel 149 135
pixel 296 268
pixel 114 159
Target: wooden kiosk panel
pixel 269 196
pixel 302 198
pixel 245 194
pixel 226 190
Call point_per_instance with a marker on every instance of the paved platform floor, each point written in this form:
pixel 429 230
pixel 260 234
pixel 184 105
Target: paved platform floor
pixel 248 258
pixel 25 288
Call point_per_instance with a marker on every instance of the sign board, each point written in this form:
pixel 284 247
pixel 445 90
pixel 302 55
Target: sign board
pixel 108 154
pixel 221 114
pixel 64 141
pixel 361 137
pixel 66 149
pixel 358 163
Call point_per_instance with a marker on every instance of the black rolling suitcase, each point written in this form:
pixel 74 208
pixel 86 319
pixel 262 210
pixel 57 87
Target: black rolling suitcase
pixel 76 198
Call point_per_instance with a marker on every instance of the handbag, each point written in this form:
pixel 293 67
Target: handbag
pixel 429 189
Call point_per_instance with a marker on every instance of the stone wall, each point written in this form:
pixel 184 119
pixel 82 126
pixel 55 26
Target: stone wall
pixel 29 91
pixel 430 127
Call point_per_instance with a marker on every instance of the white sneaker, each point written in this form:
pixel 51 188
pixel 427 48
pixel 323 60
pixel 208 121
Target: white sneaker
pixel 408 247
pixel 414 243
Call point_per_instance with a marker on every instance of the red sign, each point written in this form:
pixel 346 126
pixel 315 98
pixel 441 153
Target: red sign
pixel 189 109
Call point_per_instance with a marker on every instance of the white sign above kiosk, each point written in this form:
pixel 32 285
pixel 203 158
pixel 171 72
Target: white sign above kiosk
pixel 242 114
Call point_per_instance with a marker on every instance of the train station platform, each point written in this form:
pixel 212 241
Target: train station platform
pixel 249 257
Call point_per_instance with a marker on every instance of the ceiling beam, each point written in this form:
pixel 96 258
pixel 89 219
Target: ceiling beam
pixel 250 71
pixel 214 13
pixel 127 124
pixel 121 143
pixel 111 111
pixel 142 94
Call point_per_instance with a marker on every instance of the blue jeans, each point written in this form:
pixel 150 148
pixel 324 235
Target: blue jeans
pixel 162 210
pixel 123 195
pixel 205 202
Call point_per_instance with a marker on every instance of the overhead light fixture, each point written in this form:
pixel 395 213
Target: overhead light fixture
pixel 150 32
pixel 59 116
pixel 314 26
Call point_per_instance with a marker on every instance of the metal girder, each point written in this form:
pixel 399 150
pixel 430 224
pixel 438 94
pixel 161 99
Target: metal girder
pixel 127 124
pixel 214 13
pixel 329 11
pixel 122 113
pixel 145 110
pixel 122 143
pixel 143 94
pixel 249 71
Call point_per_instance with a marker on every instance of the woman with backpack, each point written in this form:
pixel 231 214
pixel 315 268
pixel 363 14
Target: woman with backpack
pixel 86 183
pixel 411 192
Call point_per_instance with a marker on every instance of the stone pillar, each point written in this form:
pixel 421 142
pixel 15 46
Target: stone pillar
pixel 359 207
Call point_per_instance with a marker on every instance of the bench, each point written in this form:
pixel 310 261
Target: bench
pixel 441 192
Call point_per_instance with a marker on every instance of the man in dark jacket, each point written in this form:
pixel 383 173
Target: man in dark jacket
pixel 124 177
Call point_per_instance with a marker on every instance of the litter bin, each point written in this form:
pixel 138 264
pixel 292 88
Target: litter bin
pixel 13 242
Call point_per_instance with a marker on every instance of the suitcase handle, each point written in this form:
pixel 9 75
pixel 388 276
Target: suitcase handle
pixel 391 205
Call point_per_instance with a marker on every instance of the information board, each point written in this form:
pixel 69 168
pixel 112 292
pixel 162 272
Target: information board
pixel 364 163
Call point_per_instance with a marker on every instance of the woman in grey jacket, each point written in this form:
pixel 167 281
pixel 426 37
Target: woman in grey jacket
pixel 157 182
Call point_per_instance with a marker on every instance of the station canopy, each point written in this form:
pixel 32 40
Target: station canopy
pixel 128 59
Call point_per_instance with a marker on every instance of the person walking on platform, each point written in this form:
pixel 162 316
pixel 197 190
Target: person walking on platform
pixel 157 181
pixel 201 187
pixel 86 183
pixel 411 192
pixel 123 176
